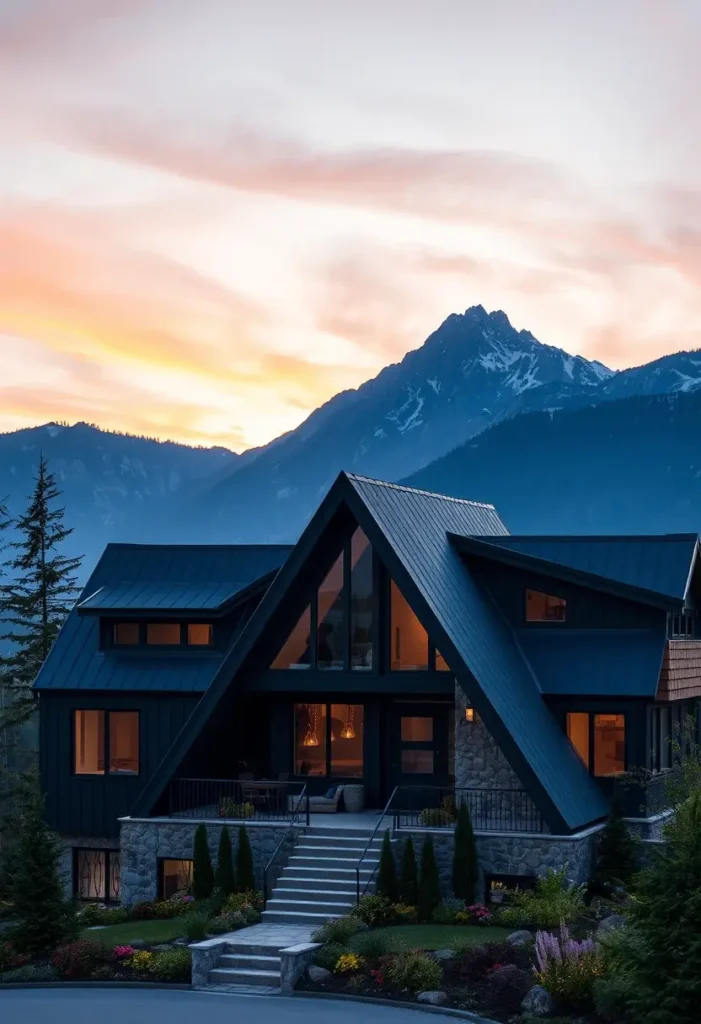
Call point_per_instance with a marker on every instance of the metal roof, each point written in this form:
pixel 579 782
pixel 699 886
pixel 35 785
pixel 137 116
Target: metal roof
pixel 659 564
pixel 76 662
pixel 131 597
pixel 595 662
pixel 410 531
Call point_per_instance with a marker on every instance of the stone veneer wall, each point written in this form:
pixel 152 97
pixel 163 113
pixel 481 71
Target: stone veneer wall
pixel 69 843
pixel 145 841
pixel 510 853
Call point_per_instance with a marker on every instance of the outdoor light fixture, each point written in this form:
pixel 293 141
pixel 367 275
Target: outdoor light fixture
pixel 469 714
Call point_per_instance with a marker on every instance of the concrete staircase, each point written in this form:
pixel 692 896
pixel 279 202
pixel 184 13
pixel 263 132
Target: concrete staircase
pixel 252 966
pixel 319 880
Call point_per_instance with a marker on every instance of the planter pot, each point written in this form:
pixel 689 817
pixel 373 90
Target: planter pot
pixel 354 798
pixel 496 897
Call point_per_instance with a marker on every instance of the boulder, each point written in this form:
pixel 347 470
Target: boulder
pixel 433 998
pixel 318 974
pixel 161 947
pixel 520 938
pixel 538 1002
pixel 610 924
pixel 444 954
pixel 136 943
pixel 181 942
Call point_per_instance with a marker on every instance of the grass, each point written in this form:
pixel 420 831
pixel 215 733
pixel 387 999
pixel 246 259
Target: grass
pixel 441 936
pixel 149 931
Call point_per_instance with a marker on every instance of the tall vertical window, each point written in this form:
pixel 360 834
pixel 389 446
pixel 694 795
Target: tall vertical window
pixel 176 878
pixel 609 744
pixel 97 874
pixel 89 742
pixel 310 739
pixel 295 652
pixel 331 618
pixel 578 732
pixel 361 602
pixel 665 739
pixel 124 742
pixel 408 638
pixel 347 741
pixel 329 740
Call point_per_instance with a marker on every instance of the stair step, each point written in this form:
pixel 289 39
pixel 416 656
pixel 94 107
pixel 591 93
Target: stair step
pixel 323 862
pixel 346 850
pixel 305 892
pixel 332 874
pixel 293 917
pixel 344 841
pixel 336 908
pixel 238 976
pixel 263 963
pixel 318 883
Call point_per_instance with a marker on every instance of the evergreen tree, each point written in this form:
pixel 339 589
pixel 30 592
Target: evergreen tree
pixel 617 859
pixel 387 872
pixel 408 881
pixel 465 863
pixel 39 595
pixel 244 863
pixel 224 878
pixel 429 882
pixel 666 915
pixel 202 874
pixel 44 915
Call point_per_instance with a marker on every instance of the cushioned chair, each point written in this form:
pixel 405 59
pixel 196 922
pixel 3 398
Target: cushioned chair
pixel 324 804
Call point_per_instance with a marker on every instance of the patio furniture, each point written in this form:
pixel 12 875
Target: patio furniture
pixel 354 798
pixel 320 804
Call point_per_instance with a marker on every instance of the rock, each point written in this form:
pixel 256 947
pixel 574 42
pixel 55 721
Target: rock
pixel 538 1002
pixel 609 924
pixel 433 998
pixel 137 943
pixel 520 938
pixel 444 954
pixel 181 942
pixel 318 974
pixel 161 947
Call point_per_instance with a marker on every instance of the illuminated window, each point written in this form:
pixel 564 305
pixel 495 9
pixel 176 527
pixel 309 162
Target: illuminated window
pixel 176 878
pixel 409 640
pixel 163 634
pixel 295 652
pixel 609 744
pixel 417 730
pixel 320 728
pixel 544 607
pixel 310 739
pixel 330 619
pixel 199 634
pixel 417 762
pixel 578 732
pixel 126 634
pixel 124 742
pixel 441 663
pixel 347 741
pixel 89 742
pixel 97 874
pixel 361 601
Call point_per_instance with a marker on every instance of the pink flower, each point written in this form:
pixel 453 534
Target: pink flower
pixel 122 952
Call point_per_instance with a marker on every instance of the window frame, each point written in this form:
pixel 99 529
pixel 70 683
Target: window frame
pixel 591 729
pixel 106 748
pixel 110 623
pixel 160 878
pixel 543 622
pixel 109 855
pixel 328 753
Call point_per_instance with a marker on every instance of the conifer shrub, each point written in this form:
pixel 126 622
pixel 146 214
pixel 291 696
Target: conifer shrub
pixel 617 855
pixel 224 877
pixel 429 882
pixel 408 879
pixel 465 863
pixel 202 873
pixel 387 873
pixel 245 881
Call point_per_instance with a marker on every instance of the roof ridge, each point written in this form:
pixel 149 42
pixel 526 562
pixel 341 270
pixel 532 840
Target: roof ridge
pixel 197 547
pixel 592 536
pixel 419 490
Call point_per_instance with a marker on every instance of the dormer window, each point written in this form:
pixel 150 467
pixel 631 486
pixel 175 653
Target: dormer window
pixel 542 607
pixel 199 634
pixel 126 634
pixel 163 634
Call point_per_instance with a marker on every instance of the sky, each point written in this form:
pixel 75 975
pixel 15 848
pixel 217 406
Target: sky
pixel 216 214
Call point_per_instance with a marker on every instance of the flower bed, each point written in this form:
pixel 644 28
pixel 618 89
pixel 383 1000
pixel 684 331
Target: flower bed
pixel 84 960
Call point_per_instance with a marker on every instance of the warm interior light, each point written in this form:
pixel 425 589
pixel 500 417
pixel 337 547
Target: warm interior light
pixel 348 732
pixel 469 714
pixel 311 739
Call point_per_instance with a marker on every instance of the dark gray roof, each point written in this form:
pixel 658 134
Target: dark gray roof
pixel 595 662
pixel 659 564
pixel 134 597
pixel 76 661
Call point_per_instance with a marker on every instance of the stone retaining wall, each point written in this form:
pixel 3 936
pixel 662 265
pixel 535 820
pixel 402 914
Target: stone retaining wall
pixel 145 841
pixel 510 853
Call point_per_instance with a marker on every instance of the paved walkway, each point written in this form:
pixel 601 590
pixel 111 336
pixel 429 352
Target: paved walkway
pixel 140 1006
pixel 277 936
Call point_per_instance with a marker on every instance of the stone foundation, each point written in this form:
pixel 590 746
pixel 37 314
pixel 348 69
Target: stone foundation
pixel 511 853
pixel 650 828
pixel 144 841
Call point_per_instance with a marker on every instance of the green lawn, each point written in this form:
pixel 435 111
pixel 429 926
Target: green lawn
pixel 442 936
pixel 149 931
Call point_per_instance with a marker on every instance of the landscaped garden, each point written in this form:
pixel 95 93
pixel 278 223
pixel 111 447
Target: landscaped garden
pixel 49 938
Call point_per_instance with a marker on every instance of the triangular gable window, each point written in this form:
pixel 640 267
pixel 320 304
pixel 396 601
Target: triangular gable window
pixel 296 652
pixel 408 638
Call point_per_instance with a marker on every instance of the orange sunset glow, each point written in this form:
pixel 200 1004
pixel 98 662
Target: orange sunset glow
pixel 214 216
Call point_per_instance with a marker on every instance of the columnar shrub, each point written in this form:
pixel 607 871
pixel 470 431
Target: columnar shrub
pixel 244 863
pixel 202 874
pixel 429 882
pixel 408 880
pixel 387 874
pixel 617 856
pixel 224 878
pixel 465 863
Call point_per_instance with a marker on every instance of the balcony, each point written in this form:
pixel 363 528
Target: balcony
pixel 491 810
pixel 261 800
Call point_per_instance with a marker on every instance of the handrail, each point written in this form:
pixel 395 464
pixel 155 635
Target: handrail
pixel 293 823
pixel 364 854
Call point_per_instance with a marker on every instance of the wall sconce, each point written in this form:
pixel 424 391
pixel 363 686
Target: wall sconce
pixel 469 714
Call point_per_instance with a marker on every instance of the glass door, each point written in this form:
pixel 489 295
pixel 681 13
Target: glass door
pixel 420 748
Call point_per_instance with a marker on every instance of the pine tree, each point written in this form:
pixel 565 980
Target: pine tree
pixel 224 878
pixel 429 882
pixel 244 863
pixel 387 872
pixel 617 859
pixel 40 593
pixel 44 915
pixel 465 863
pixel 665 914
pixel 408 881
pixel 202 874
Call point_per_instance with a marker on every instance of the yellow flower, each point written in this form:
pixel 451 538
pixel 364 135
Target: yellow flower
pixel 140 961
pixel 348 962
